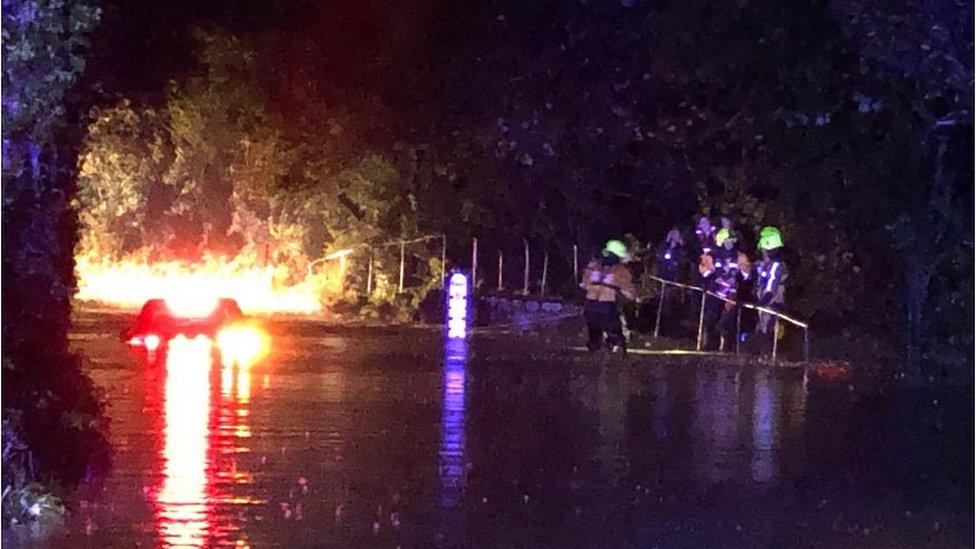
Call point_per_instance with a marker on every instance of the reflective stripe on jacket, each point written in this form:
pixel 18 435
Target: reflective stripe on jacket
pixel 771 281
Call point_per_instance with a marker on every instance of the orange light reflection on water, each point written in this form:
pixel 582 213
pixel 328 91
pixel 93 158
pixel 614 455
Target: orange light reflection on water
pixel 184 506
pixel 205 431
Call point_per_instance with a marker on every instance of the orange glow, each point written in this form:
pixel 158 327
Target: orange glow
pixel 184 509
pixel 243 344
pixel 193 286
pixel 244 389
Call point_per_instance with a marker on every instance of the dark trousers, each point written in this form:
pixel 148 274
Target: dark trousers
pixel 603 317
pixel 766 329
pixel 720 325
pixel 728 325
pixel 710 322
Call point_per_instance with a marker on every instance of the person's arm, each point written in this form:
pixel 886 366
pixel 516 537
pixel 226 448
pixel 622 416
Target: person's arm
pixel 706 266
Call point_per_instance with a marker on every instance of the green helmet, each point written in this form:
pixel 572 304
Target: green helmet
pixel 616 248
pixel 724 234
pixel 770 238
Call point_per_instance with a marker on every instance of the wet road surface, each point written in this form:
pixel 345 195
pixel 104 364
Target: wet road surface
pixel 394 437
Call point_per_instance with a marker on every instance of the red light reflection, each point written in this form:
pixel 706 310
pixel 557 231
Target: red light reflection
pixel 184 509
pixel 205 430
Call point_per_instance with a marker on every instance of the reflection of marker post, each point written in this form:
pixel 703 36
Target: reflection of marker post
pixel 402 251
pixel 525 277
pixel 451 459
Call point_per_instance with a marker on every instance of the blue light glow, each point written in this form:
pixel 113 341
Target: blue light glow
pixel 451 467
pixel 457 306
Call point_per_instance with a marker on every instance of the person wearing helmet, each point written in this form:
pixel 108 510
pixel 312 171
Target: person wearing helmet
pixel 771 277
pixel 607 280
pixel 670 256
pixel 721 308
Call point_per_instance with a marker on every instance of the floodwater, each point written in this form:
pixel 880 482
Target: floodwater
pixel 397 437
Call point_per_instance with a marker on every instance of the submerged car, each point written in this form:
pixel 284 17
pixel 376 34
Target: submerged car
pixel 160 321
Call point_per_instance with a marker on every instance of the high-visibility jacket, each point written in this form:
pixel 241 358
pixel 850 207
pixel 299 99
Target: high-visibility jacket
pixel 598 279
pixel 722 271
pixel 771 276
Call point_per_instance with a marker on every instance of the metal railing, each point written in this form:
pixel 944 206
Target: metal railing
pixel 743 305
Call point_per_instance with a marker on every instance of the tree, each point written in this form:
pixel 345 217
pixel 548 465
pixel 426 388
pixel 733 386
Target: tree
pixel 122 165
pixel 45 393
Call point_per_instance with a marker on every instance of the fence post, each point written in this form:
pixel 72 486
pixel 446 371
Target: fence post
pixel 474 263
pixel 545 271
pixel 660 307
pixel 738 329
pixel 402 251
pixel 576 279
pixel 369 276
pixel 443 258
pixel 806 344
pixel 525 277
pixel 701 321
pixel 775 336
pixel 500 265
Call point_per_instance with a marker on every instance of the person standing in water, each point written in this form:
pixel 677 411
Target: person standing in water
pixel 606 281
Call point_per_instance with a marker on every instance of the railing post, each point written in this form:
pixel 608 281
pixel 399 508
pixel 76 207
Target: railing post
pixel 525 277
pixel 701 321
pixel 775 338
pixel 576 279
pixel 369 276
pixel 545 272
pixel 402 251
pixel 474 263
pixel 738 330
pixel 660 306
pixel 500 265
pixel 806 344
pixel 443 258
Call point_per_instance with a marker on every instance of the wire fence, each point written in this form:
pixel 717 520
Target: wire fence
pixel 777 315
pixel 523 271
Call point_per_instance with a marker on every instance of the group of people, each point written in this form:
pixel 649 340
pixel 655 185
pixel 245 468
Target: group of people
pixel 724 271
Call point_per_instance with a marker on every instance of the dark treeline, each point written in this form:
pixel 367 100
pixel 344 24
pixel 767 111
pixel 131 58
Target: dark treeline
pixel 848 124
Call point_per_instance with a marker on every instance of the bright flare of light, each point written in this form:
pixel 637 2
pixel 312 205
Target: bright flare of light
pixel 152 342
pixel 183 509
pixel 258 289
pixel 242 344
pixel 192 303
